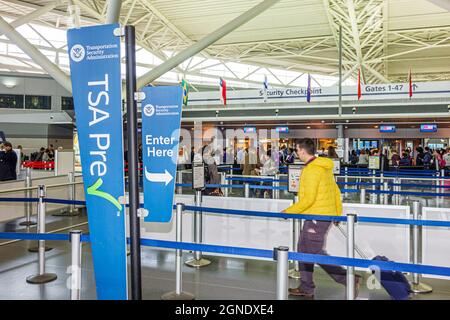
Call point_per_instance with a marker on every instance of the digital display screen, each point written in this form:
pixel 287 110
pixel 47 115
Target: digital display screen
pixel 249 129
pixel 428 128
pixel 387 128
pixel 282 129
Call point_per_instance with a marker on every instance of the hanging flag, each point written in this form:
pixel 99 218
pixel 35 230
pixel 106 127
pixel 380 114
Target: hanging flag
pixel 308 90
pixel 223 91
pixel 185 86
pixel 359 84
pixel 410 83
pixel 265 88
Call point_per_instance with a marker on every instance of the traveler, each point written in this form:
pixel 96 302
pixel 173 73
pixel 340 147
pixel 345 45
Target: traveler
pixel 446 157
pixel 211 172
pixel 332 154
pixel 405 161
pixel 291 156
pixel 439 159
pixel 319 195
pixel 8 162
pixel 419 157
pixel 353 157
pixel 395 159
pixel 427 157
pixel 269 168
pixel 363 158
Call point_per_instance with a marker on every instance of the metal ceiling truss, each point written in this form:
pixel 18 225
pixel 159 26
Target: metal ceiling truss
pixel 367 43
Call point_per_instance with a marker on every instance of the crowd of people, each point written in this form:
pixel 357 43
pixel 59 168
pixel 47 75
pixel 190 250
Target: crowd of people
pixel 422 157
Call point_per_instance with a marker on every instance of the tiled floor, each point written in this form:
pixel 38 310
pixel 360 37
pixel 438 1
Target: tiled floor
pixel 225 278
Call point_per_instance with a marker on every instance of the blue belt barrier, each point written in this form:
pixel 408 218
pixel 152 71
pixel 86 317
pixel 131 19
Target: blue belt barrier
pixel 416 185
pixel 40 236
pixel 63 201
pixel 410 193
pixel 302 257
pixel 208 248
pixel 430 223
pixel 19 199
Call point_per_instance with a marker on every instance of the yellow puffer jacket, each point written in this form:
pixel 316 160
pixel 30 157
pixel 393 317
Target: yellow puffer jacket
pixel 318 192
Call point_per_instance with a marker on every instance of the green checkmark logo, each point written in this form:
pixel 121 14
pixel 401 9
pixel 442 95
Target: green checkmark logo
pixel 93 191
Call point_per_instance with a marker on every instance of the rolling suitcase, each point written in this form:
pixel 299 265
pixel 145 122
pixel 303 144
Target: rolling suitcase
pixel 394 282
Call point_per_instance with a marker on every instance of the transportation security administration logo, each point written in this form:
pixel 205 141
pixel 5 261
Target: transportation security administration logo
pixel 77 53
pixel 149 110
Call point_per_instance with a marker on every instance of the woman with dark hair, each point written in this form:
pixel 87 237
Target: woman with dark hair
pixel 420 155
pixel 332 154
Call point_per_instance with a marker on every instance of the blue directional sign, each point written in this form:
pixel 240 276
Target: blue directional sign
pixel 161 119
pixel 96 82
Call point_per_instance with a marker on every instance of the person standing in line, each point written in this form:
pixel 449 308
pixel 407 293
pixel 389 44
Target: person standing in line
pixel 447 158
pixel 363 158
pixel 8 163
pixel 319 195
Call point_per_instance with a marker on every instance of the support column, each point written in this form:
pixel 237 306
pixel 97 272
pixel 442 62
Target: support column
pixel 155 73
pixel 342 142
pixel 113 11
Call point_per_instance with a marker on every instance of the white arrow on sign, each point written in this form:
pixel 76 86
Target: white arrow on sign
pixel 158 177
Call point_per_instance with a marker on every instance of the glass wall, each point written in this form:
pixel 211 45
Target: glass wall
pixel 11 101
pixel 38 102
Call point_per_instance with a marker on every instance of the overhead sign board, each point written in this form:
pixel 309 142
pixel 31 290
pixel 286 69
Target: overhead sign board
pixel 428 128
pixel 387 129
pixel 161 119
pixel 249 129
pixel 282 129
pixel 94 54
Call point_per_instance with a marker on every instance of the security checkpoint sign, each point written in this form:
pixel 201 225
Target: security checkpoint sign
pixel 161 119
pixel 96 81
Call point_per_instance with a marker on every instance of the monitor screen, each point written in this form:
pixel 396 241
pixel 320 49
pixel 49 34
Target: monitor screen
pixel 282 129
pixel 428 128
pixel 249 129
pixel 388 128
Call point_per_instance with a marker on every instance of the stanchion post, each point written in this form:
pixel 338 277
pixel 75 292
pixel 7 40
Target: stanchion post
pixel 178 294
pixel 28 206
pixel 75 271
pixel 41 277
pixel 297 225
pixel 246 190
pixel 179 182
pixel 276 184
pixel 416 285
pixel 72 191
pixel 346 181
pixel 362 196
pixel 281 256
pixel 351 219
pixel 198 261
pixel 386 195
pixel 224 181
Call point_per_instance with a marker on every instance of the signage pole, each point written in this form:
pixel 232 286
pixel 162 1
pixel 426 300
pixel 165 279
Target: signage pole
pixel 133 186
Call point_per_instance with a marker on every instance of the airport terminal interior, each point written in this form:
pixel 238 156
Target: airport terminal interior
pixel 225 150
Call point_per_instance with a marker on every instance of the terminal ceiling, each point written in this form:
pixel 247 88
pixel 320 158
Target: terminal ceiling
pixel 383 38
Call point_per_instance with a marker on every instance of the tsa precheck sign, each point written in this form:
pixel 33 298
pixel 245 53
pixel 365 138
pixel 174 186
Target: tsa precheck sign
pixel 161 119
pixel 96 81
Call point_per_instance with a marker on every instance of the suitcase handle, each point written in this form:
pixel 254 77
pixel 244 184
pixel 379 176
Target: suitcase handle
pixel 357 249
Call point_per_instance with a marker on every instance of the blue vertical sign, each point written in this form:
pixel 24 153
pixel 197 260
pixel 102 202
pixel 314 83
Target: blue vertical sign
pixel 96 83
pixel 161 118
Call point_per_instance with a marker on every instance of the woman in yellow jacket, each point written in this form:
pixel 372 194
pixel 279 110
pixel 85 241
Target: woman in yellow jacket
pixel 318 195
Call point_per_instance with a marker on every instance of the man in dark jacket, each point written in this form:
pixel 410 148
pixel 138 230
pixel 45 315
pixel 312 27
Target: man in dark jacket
pixel 8 163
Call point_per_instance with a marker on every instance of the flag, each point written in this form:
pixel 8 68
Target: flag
pixel 410 83
pixel 359 84
pixel 223 91
pixel 185 86
pixel 308 90
pixel 265 88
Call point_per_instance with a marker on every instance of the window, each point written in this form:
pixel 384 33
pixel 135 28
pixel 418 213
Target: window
pixel 38 102
pixel 11 101
pixel 66 103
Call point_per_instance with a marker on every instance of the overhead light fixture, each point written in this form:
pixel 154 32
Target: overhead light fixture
pixel 9 84
pixel 308 127
pixel 347 121
pixel 375 127
pixel 323 121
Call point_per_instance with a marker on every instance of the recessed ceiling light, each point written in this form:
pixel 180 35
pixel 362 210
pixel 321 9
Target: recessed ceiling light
pixel 375 127
pixel 323 121
pixel 346 127
pixel 347 121
pixel 308 127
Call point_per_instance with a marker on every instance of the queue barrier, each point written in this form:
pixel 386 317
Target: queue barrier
pixel 261 253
